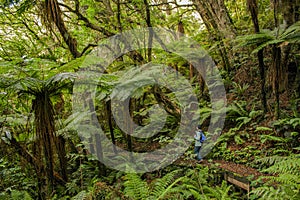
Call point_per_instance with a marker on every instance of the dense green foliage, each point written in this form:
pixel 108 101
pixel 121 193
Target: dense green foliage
pixel 43 43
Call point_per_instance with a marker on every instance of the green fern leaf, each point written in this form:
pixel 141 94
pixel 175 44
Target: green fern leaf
pixel 262 128
pixel 135 187
pixel 80 196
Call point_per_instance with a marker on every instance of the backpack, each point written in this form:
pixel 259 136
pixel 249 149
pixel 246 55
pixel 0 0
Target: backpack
pixel 202 137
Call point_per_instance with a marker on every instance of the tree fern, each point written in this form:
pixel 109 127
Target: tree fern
pixel 254 39
pixel 268 37
pixel 47 142
pixel 292 33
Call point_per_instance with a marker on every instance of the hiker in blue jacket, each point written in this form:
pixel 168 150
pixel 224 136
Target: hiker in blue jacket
pixel 198 143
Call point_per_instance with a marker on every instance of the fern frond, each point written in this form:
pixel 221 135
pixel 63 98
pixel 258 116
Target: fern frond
pixel 267 161
pixel 237 109
pixel 266 192
pixel 265 44
pixel 135 187
pixel 161 185
pixel 262 128
pixel 170 189
pixel 295 122
pixel 80 196
pixel 254 39
pixel 264 138
pixel 210 191
pixel 255 113
pixel 285 165
pixel 286 179
pixel 225 190
pixel 220 192
pixel 292 33
pixel 194 181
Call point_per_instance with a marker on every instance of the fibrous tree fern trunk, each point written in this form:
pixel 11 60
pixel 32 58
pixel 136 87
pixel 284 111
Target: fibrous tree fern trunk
pixel 45 131
pixel 47 147
pixel 61 151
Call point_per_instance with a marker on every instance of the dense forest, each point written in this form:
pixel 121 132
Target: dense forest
pixel 100 99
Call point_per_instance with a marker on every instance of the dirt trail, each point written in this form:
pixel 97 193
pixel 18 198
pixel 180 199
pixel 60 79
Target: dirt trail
pixel 238 169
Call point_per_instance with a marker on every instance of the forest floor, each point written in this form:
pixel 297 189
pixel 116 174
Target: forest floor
pixel 238 169
pixel 241 170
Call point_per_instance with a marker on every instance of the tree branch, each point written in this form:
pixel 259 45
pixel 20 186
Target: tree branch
pixel 86 20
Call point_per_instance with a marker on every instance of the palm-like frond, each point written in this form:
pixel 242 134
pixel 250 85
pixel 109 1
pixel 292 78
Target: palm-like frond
pixel 292 33
pixel 51 86
pixel 270 37
pixel 81 195
pixel 58 82
pixel 28 85
pixel 266 44
pixel 254 39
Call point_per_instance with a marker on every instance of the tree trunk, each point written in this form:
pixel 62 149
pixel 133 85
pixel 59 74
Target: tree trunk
pixel 108 110
pixel 215 14
pixel 61 151
pixel 96 137
pixel 218 23
pixel 128 136
pixel 252 6
pixel 45 129
pixel 191 74
pixel 53 15
pixel 276 73
pixel 290 13
pixel 150 37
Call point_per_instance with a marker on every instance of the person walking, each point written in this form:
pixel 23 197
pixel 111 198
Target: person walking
pixel 198 143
